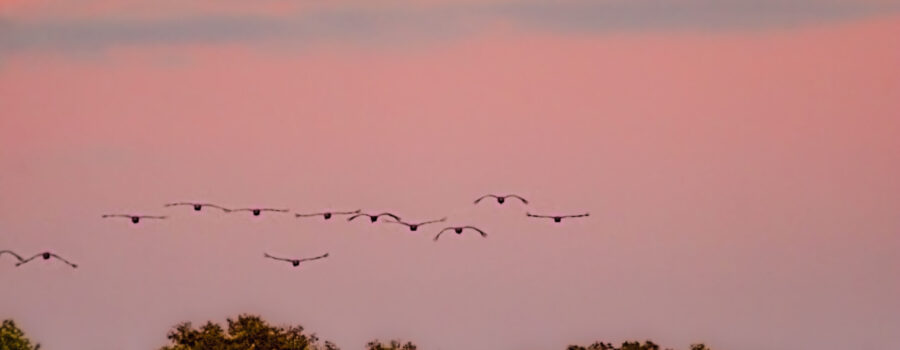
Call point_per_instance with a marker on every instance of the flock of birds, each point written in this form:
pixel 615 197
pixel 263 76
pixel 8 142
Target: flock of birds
pixel 392 218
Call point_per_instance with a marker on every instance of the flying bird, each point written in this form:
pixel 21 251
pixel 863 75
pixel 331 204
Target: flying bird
pixel 10 252
pixel 373 218
pixel 295 262
pixel 459 230
pixel 199 206
pixel 501 199
pixel 47 256
pixel 134 218
pixel 557 218
pixel 328 214
pixel 257 211
pixel 414 227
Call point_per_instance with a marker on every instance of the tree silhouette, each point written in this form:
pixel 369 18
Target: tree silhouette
pixel 12 338
pixel 392 345
pixel 629 345
pixel 246 332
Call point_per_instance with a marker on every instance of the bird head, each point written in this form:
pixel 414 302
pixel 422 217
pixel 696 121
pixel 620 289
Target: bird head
pixel 501 200
pixel 557 219
pixel 295 262
pixel 256 212
pixel 373 218
pixel 327 216
pixel 413 227
pixel 197 207
pixel 458 230
pixel 135 219
pixel 46 256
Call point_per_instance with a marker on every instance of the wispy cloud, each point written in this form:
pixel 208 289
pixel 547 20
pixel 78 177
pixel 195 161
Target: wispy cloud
pixel 397 23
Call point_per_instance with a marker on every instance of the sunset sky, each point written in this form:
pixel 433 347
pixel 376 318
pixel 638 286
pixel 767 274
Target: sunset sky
pixel 740 161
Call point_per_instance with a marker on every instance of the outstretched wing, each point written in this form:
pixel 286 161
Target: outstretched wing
pixel 116 216
pixel 275 258
pixel 29 259
pixel 391 215
pixel 315 258
pixel 432 221
pixel 358 215
pixel 10 252
pixel 308 215
pixel 357 211
pixel 483 197
pixel 524 201
pixel 442 232
pixel 178 203
pixel 537 216
pixel 151 217
pixel 398 222
pixel 577 215
pixel 278 210
pixel 476 229
pixel 64 260
pixel 216 206
pixel 243 209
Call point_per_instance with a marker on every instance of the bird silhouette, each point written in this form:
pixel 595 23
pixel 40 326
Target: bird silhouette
pixel 46 256
pixel 501 199
pixel 258 211
pixel 373 218
pixel 295 262
pixel 199 206
pixel 10 252
pixel 328 214
pixel 459 230
pixel 134 218
pixel 415 226
pixel 557 218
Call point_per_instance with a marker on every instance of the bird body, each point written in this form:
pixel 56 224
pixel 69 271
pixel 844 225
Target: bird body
pixel 557 218
pixel 415 226
pixel 374 218
pixel 134 218
pixel 295 262
pixel 258 211
pixel 328 214
pixel 47 256
pixel 502 199
pixel 198 206
pixel 459 231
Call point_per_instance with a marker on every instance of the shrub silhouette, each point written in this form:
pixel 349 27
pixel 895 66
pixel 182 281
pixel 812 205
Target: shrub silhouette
pixel 13 338
pixel 246 332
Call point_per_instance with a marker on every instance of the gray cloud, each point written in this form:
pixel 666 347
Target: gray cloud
pixel 404 24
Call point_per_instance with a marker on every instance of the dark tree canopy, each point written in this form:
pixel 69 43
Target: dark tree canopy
pixel 13 338
pixel 252 332
pixel 391 345
pixel 628 345
pixel 247 332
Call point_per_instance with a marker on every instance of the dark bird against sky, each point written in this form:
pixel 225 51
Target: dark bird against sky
pixel 374 218
pixel 557 218
pixel 415 226
pixel 295 262
pixel 459 231
pixel 328 214
pixel 134 218
pixel 257 211
pixel 199 206
pixel 502 199
pixel 47 256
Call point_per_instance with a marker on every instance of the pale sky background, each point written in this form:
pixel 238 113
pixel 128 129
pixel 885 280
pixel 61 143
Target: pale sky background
pixel 739 160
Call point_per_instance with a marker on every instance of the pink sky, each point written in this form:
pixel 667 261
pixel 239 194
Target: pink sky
pixel 742 183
